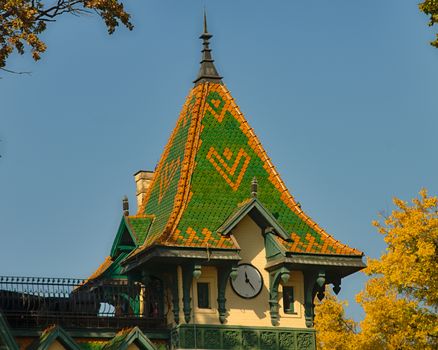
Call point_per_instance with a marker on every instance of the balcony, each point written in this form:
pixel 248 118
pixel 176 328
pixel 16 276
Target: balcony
pixel 35 303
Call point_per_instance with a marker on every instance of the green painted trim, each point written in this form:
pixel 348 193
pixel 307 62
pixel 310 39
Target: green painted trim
pixel 125 247
pixel 275 277
pixel 223 274
pixel 255 203
pixel 92 334
pixel 135 335
pixel 115 269
pixel 241 337
pixel 314 284
pixel 178 255
pixel 273 248
pixel 345 265
pixel 6 335
pixel 48 338
pixel 175 294
pixel 187 275
pixel 123 225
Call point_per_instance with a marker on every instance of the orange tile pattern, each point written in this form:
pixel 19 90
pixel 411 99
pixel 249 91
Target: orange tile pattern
pixel 227 171
pixel 220 155
pixel 101 269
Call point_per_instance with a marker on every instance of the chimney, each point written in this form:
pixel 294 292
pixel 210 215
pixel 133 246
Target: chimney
pixel 143 179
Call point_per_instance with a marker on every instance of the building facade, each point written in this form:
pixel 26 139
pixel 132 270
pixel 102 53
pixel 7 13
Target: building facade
pixel 219 255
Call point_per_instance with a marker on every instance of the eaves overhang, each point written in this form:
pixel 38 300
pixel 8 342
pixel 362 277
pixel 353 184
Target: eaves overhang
pixel 341 265
pixel 178 255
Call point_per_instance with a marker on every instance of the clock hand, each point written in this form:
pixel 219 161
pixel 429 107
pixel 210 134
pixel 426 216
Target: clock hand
pixel 250 284
pixel 248 281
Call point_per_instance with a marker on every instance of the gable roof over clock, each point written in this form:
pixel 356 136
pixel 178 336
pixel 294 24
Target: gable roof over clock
pixel 204 175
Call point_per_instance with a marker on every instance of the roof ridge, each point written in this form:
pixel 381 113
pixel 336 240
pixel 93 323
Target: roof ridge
pixel 191 165
pixel 199 91
pixel 164 155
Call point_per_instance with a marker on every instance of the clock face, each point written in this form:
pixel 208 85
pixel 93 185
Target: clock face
pixel 249 282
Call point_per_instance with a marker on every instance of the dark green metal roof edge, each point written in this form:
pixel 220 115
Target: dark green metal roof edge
pixel 135 334
pixel 119 234
pixel 159 251
pixel 314 259
pixel 326 255
pixel 240 213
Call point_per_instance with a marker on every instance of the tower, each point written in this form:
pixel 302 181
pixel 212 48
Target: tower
pixel 237 257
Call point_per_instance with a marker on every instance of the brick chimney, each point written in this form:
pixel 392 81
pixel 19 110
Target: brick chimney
pixel 143 179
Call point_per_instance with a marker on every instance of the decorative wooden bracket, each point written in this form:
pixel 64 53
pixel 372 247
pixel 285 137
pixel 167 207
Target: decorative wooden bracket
pixel 314 284
pixel 188 272
pixel 175 294
pixel 223 273
pixel 337 286
pixel 282 274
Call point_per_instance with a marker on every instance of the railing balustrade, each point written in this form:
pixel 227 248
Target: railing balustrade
pixel 36 302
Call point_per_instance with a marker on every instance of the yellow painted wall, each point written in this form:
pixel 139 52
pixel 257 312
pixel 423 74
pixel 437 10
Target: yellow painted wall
pixel 245 312
pixel 133 346
pixel 255 312
pixel 203 316
pixel 56 345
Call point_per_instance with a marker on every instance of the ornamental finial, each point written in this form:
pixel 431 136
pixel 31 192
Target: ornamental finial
pixel 254 187
pixel 125 206
pixel 207 71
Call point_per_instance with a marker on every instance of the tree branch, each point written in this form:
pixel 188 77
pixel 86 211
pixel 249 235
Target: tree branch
pixel 14 72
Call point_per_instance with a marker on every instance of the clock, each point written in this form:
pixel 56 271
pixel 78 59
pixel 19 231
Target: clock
pixel 249 281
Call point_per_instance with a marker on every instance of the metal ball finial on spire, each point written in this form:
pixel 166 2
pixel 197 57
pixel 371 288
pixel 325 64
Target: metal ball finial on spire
pixel 207 71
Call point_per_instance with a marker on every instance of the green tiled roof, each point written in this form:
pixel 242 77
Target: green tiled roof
pixel 205 173
pixel 139 227
pixel 127 336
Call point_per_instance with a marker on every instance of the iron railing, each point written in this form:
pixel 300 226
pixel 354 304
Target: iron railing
pixel 34 302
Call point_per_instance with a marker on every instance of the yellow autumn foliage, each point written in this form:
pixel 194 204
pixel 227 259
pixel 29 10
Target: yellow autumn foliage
pixel 334 331
pixel 400 299
pixel 22 21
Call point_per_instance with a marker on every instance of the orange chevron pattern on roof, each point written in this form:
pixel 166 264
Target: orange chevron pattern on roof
pixel 205 173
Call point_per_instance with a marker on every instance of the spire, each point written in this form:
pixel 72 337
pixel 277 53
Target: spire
pixel 207 71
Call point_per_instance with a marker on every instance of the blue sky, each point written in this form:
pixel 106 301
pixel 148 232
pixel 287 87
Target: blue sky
pixel 342 95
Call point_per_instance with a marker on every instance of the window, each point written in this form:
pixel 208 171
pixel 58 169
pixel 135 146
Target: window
pixel 288 300
pixel 203 295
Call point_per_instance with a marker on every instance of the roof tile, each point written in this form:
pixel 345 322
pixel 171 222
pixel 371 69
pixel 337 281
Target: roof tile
pixel 216 155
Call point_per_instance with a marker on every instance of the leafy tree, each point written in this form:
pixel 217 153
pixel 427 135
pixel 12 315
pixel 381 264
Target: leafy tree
pixel 401 298
pixel 430 8
pixel 22 21
pixel 334 331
